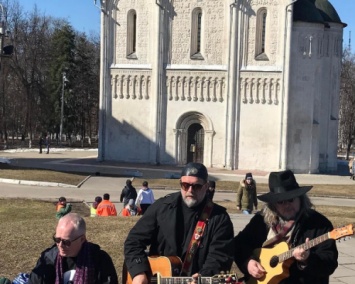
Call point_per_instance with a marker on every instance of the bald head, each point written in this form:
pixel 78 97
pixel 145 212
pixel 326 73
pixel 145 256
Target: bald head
pixel 73 221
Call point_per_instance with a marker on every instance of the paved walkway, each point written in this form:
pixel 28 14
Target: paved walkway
pixel 85 161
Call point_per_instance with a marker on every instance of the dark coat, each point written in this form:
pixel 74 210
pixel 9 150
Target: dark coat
pixel 157 228
pixel 44 272
pixel 321 263
pixel 128 192
pixel 246 196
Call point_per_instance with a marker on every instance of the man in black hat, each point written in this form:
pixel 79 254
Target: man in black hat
pixel 185 224
pixel 286 222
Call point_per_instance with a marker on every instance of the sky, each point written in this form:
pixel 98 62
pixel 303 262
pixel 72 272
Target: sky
pixel 85 16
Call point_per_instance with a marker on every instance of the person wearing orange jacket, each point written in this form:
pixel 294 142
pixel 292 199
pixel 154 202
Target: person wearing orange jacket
pixel 106 207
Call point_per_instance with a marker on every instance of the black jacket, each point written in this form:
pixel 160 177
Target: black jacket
pixel 158 228
pixel 323 259
pixel 128 192
pixel 44 272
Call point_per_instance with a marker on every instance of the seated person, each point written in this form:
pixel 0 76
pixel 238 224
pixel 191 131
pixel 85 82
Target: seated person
pixel 72 259
pixel 106 207
pixel 94 205
pixel 131 209
pixel 62 207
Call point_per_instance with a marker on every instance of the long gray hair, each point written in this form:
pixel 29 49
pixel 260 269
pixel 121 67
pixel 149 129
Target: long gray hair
pixel 270 214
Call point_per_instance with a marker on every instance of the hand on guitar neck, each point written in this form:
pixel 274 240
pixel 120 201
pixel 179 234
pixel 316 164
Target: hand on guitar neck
pixel 257 271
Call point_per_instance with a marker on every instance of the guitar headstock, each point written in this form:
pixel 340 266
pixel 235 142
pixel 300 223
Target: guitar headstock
pixel 225 279
pixel 342 232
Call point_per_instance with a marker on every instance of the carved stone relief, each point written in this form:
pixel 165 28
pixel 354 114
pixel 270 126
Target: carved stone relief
pixel 213 20
pixel 129 84
pixel 195 86
pixel 260 88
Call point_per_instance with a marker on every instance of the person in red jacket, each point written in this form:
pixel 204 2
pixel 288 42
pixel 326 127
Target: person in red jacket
pixel 106 207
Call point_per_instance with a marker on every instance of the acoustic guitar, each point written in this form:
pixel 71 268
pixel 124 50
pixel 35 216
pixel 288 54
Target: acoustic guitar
pixel 165 270
pixel 277 260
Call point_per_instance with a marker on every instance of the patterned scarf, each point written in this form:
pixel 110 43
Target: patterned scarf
pixel 85 270
pixel 279 231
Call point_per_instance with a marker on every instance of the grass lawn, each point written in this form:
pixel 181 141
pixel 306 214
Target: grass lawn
pixel 28 225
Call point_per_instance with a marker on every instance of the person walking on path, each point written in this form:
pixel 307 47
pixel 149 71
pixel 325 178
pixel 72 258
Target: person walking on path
pixel 246 195
pixel 40 143
pixel 128 192
pixel 72 259
pixel 48 142
pixel 145 197
pixel 185 224
pixel 106 207
pixel 287 226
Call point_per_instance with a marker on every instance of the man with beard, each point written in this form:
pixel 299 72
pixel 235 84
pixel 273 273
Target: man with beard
pixel 287 224
pixel 185 224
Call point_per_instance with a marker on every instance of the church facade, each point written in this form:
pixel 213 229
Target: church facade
pixel 244 84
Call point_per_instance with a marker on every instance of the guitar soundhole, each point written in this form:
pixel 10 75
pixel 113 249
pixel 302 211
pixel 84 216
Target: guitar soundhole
pixel 274 261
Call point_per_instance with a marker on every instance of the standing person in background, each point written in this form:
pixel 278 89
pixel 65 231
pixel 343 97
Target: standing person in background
pixel 128 192
pixel 352 168
pixel 211 189
pixel 48 142
pixel 62 207
pixel 106 207
pixel 40 143
pixel 246 195
pixel 94 205
pixel 145 197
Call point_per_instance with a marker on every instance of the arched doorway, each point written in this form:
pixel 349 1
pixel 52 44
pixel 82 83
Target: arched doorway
pixel 193 139
pixel 195 143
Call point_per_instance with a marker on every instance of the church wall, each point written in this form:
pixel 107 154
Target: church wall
pixel 215 17
pixel 305 98
pixel 260 121
pixel 145 31
pixel 331 66
pixel 274 43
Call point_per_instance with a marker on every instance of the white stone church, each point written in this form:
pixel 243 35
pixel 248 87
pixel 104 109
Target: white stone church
pixel 244 84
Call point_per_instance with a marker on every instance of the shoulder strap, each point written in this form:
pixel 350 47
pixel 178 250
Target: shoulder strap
pixel 196 237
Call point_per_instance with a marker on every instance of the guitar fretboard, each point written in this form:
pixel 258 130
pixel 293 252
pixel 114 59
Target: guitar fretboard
pixel 220 279
pixel 288 254
pixel 184 280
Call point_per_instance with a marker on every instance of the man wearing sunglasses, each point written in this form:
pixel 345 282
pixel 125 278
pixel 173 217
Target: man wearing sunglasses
pixel 169 227
pixel 72 259
pixel 287 221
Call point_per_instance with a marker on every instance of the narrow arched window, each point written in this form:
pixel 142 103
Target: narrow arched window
pixel 260 40
pixel 131 34
pixel 196 34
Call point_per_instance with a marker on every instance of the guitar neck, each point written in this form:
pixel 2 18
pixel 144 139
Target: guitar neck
pixel 185 280
pixel 288 254
pixel 217 279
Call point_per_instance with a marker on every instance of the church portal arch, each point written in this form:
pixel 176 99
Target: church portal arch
pixel 193 139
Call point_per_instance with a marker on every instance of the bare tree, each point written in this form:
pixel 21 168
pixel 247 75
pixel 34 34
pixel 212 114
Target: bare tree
pixel 347 102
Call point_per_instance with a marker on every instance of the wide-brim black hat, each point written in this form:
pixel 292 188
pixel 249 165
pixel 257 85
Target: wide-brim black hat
pixel 283 186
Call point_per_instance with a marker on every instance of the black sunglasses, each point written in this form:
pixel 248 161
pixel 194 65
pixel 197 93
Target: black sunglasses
pixel 286 201
pixel 185 186
pixel 66 243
